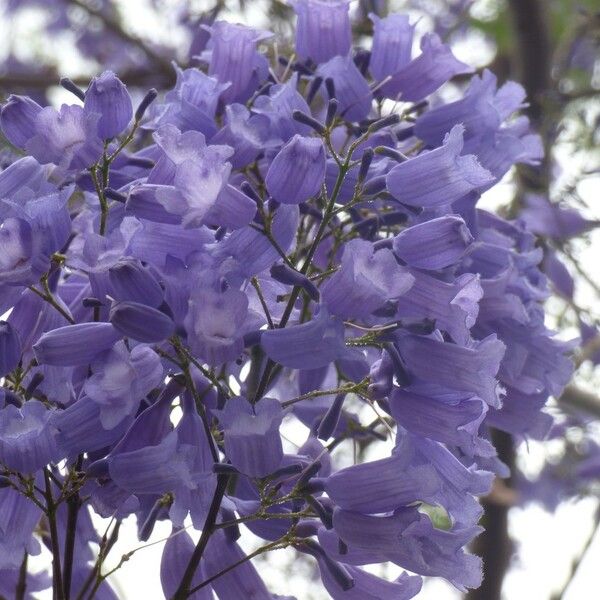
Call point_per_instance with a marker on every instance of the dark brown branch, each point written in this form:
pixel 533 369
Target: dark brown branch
pixel 494 544
pixel 186 582
pixel 533 58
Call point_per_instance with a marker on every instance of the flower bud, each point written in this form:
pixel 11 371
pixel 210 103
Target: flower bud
pixel 108 97
pixel 140 322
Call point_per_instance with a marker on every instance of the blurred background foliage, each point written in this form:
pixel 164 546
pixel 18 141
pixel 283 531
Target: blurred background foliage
pixel 552 47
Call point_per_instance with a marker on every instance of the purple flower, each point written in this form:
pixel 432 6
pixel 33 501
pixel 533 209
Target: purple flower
pixel 214 322
pixel 19 517
pixel 471 369
pixel 75 345
pixel 546 219
pixel 426 73
pixel 456 175
pixel 351 89
pixel 27 437
pixel 277 108
pixel 192 104
pixel 365 281
pixel 308 346
pixel 298 171
pixel 252 440
pixel 141 322
pixel 67 137
pixel 120 379
pixel 323 29
pixel 108 97
pixel 132 281
pixel 175 557
pixel 434 244
pixel 392 45
pixel 17 118
pixel 234 58
pixel 192 174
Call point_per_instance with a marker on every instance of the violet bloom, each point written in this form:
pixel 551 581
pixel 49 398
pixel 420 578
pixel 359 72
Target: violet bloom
pixel 191 173
pixel 27 437
pixel 214 322
pixel 234 58
pixel 192 104
pixel 392 45
pixel 311 345
pixel 365 281
pixel 323 29
pixel 298 171
pixel 108 97
pixel 131 280
pixel 176 555
pixel 120 379
pixel 19 517
pixel 549 220
pixel 67 137
pixel 277 109
pixel 30 234
pixel 434 244
pixel 252 440
pixel 471 369
pixel 424 74
pixel 351 89
pixel 411 183
pixel 248 134
pixel 17 118
pixel 75 345
pixel 141 322
pixel 481 111
pixel 370 587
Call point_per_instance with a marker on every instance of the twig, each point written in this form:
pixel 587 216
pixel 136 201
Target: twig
pixel 183 591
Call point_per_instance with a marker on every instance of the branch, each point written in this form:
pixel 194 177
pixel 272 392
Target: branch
pixel 183 590
pixel 581 400
pixel 533 51
pixel 116 28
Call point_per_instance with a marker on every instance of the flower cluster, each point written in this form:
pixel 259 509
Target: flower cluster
pixel 272 243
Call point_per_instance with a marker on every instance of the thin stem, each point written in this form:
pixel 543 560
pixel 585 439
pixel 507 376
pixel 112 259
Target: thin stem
pixel 183 591
pixel 277 545
pixel 73 506
pixel 305 270
pixel 106 545
pixel 50 299
pixel 263 303
pixel 358 387
pixel 57 583
pixel 198 401
pixel 101 198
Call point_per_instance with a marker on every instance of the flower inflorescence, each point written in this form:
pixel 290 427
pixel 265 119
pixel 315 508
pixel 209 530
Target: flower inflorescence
pixel 271 242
